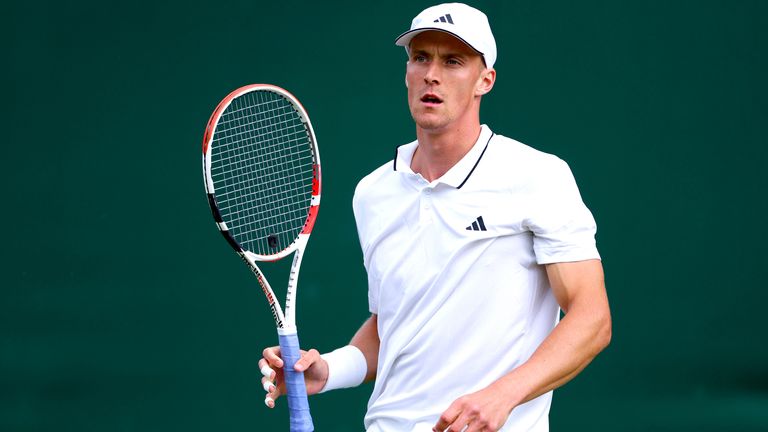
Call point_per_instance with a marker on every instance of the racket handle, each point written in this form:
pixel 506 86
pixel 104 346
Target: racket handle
pixel 298 406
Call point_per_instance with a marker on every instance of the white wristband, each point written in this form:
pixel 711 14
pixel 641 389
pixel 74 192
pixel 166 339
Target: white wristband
pixel 346 368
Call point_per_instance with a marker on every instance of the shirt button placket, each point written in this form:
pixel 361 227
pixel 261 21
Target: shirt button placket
pixel 426 206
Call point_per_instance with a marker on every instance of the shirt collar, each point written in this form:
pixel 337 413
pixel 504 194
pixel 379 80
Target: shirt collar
pixel 459 173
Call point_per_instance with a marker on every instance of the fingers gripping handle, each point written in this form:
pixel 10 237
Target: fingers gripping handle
pixel 298 406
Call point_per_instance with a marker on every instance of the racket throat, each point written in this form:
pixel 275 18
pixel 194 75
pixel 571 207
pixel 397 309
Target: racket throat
pixel 293 281
pixel 274 305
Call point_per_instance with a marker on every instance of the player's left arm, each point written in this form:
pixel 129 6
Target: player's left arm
pixel 584 331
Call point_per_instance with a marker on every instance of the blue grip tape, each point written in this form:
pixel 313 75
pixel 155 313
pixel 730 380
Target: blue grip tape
pixel 298 406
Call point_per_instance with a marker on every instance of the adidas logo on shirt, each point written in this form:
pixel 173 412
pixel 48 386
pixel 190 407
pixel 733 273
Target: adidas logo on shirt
pixel 477 225
pixel 445 18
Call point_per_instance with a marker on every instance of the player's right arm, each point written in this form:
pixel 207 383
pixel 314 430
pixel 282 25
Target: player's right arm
pixel 367 341
pixel 315 368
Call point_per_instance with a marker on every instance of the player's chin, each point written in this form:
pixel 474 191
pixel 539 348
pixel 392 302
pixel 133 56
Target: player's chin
pixel 430 123
pixel 428 119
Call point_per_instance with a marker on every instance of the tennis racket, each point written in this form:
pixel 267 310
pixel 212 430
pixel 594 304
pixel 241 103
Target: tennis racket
pixel 262 176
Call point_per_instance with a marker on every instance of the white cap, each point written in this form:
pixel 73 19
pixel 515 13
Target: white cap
pixel 464 22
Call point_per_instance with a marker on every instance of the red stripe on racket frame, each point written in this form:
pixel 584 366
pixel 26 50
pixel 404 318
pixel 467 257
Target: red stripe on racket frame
pixel 310 223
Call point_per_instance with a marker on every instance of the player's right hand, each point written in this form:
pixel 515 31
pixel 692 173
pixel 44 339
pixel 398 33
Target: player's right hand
pixel 271 365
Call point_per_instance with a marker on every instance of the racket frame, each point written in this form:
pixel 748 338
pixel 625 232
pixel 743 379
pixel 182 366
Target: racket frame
pixel 285 321
pixel 298 406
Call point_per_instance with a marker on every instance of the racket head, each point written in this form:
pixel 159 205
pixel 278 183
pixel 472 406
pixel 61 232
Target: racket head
pixel 262 171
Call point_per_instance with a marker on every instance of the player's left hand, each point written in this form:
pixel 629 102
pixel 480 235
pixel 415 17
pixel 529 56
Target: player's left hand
pixel 482 411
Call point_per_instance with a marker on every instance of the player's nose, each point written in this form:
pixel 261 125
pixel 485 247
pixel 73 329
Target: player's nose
pixel 432 74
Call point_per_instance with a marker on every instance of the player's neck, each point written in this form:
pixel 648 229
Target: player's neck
pixel 439 150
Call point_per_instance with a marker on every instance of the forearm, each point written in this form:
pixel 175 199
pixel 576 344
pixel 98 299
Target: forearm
pixel 367 341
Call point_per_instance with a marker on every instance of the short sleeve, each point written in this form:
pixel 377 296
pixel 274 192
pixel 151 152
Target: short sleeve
pixel 563 227
pixel 373 294
pixel 359 209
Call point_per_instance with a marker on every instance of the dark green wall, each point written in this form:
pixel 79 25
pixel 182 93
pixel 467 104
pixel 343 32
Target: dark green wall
pixel 121 308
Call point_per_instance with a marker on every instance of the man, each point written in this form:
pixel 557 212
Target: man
pixel 473 242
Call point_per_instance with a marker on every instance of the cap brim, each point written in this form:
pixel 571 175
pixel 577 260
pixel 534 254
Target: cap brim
pixel 405 39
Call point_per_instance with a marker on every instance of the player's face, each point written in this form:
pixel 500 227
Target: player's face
pixel 445 80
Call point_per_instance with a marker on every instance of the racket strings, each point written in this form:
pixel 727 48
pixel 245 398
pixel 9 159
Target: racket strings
pixel 297 157
pixel 262 169
pixel 243 220
pixel 245 125
pixel 276 199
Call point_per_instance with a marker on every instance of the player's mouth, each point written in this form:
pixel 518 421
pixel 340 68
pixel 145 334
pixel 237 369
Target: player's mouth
pixel 431 99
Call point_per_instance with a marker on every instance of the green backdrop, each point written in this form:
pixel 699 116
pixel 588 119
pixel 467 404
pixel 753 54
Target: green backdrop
pixel 121 308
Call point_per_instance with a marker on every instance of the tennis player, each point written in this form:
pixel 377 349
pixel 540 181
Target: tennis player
pixel 473 244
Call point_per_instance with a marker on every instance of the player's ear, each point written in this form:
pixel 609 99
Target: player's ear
pixel 485 82
pixel 406 64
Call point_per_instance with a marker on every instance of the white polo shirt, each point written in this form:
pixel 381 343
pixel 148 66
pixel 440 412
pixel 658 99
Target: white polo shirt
pixel 456 276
